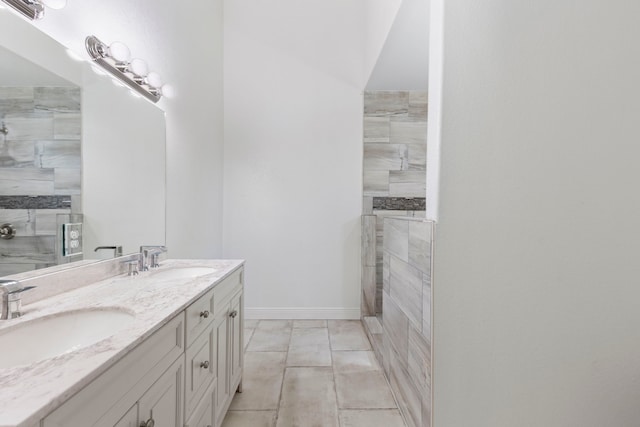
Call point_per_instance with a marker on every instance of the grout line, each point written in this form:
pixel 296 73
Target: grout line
pixel 333 372
pixel 284 371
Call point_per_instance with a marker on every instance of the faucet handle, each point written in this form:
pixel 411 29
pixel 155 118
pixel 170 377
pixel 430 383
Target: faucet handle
pixel 10 291
pixel 153 252
pixel 155 255
pixel 133 268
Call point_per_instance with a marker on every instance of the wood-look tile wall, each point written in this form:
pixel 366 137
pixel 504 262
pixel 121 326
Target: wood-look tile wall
pixel 401 336
pixel 395 146
pixel 39 156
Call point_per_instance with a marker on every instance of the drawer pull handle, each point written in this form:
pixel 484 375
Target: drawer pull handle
pixel 205 364
pixel 233 314
pixel 204 314
pixel 149 423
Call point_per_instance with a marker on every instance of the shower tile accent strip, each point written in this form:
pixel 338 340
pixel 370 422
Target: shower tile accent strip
pixel 399 203
pixel 35 202
pixel 401 338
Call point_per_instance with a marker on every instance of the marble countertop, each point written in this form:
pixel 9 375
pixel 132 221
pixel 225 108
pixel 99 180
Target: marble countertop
pixel 30 392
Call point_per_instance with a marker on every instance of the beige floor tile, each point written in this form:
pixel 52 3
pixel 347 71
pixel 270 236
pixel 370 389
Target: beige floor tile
pixel 371 418
pixel 248 333
pixel 261 381
pixel 310 336
pixel 309 356
pixel 251 323
pixel 348 335
pixel 309 347
pixel 275 325
pixel 250 419
pixel 308 398
pixel 269 340
pixel 360 383
pixel 309 323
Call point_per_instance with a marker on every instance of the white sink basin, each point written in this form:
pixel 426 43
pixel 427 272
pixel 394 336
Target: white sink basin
pixel 183 272
pixel 51 336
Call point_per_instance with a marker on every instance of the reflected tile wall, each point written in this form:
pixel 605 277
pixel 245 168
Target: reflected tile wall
pixel 40 171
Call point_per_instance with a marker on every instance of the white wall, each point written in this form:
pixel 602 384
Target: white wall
pixel 536 267
pixel 293 153
pixel 403 62
pixel 184 44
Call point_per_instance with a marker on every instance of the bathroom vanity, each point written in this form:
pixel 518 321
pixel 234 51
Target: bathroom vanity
pixel 162 348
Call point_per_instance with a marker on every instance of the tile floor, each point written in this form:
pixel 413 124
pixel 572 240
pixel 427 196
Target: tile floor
pixel 311 373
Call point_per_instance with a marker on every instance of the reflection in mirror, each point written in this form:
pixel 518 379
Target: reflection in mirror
pixel 73 143
pixel 40 163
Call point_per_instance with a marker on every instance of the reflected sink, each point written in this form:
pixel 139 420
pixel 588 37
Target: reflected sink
pixel 51 336
pixel 183 272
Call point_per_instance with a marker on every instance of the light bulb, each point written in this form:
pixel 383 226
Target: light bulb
pixel 168 91
pixel 54 4
pixel 138 67
pixel 119 51
pixel 154 79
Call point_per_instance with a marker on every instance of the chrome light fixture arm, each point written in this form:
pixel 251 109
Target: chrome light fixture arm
pixel 99 53
pixel 34 9
pixel 31 9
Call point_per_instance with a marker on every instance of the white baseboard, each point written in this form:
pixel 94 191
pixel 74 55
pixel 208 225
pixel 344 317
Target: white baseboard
pixel 302 313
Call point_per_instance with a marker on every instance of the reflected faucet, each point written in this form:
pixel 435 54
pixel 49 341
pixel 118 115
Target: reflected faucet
pixel 11 294
pixel 117 250
pixel 154 252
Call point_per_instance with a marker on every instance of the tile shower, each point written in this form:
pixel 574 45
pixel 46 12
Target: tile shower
pixel 40 172
pixel 394 181
pixel 397 245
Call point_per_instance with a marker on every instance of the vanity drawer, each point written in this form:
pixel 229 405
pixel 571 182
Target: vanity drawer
pixel 201 365
pixel 226 289
pixel 199 315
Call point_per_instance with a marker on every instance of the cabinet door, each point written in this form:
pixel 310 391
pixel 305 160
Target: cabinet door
pixel 201 368
pixel 130 419
pixel 221 348
pixel 236 346
pixel 204 415
pixel 163 401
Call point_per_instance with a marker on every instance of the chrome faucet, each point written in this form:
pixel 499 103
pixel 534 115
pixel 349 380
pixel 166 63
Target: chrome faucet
pixel 10 291
pixel 154 252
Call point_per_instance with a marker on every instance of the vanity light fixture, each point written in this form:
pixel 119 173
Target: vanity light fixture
pixel 116 59
pixel 34 9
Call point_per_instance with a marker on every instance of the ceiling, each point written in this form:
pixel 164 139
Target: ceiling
pixel 403 63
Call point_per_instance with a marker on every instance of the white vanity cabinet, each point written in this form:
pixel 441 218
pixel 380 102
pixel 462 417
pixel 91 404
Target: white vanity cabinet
pixel 214 357
pixel 183 375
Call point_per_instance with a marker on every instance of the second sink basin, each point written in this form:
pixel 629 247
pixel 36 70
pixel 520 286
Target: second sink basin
pixel 53 335
pixel 182 272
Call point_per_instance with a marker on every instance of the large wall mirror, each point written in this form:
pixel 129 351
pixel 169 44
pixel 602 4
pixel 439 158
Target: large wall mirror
pixel 74 147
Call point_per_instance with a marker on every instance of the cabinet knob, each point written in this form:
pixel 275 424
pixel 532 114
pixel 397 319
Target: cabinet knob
pixel 205 364
pixel 233 314
pixel 149 423
pixel 204 314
